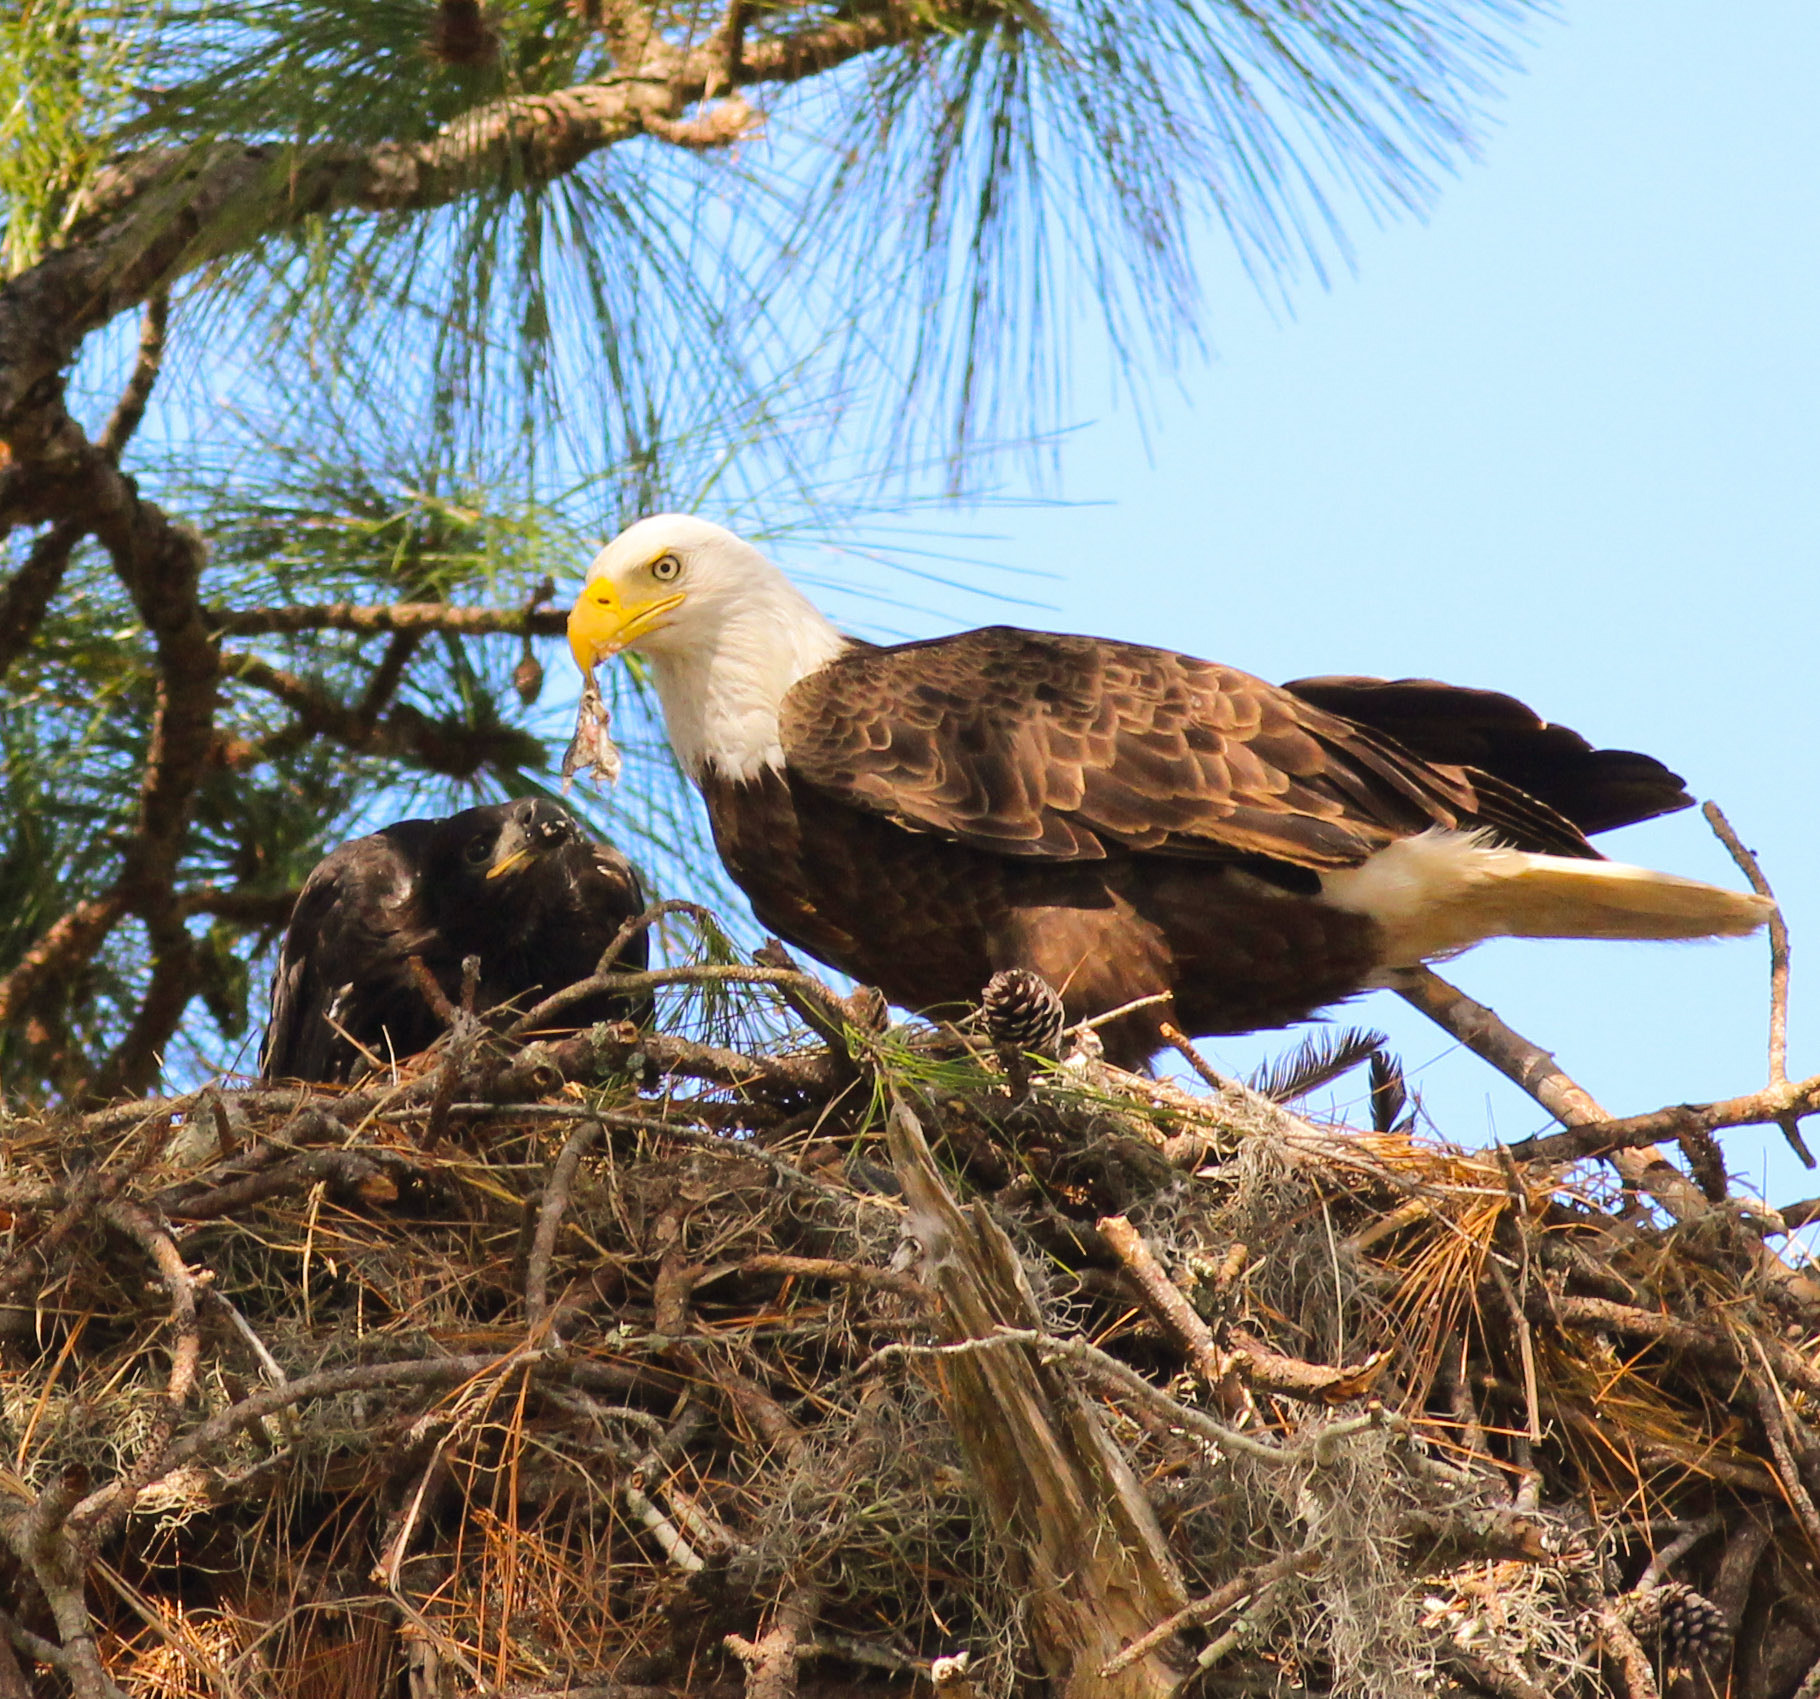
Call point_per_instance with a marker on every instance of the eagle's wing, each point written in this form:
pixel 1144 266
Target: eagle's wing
pixel 1049 746
pixel 1597 789
pixel 356 921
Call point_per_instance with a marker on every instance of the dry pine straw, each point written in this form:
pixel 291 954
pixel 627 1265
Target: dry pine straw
pixel 622 1387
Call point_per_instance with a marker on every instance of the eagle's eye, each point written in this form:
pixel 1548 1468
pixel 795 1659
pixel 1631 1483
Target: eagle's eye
pixel 665 567
pixel 478 850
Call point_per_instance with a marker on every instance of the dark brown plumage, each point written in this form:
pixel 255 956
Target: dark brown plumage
pixel 516 884
pixel 1117 818
pixel 1128 823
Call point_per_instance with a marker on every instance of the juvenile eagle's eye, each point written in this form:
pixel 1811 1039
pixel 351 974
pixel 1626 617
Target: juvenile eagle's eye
pixel 478 850
pixel 665 567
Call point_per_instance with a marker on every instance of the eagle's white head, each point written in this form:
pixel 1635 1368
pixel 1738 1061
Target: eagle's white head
pixel 725 631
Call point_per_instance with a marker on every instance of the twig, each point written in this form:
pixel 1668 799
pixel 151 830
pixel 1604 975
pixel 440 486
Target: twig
pixel 1215 1604
pixel 444 746
pixel 1778 969
pixel 1773 1415
pixel 69 942
pixel 1110 1371
pixel 788 981
pixel 400 618
pixel 1177 1040
pixel 569 995
pixel 28 593
pixel 255 1407
pixel 771 1662
pixel 1529 1066
pixel 101 1513
pixel 549 1220
pixel 1634 1673
pixel 130 408
pixel 1172 1312
pixel 1677 1548
pixel 1536 1072
pixel 852 1273
pixel 1610 1138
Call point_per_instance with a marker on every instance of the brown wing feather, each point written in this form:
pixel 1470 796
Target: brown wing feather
pixel 1061 747
pixel 1597 789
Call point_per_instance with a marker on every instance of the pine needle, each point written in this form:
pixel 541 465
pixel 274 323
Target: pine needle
pixel 1320 1059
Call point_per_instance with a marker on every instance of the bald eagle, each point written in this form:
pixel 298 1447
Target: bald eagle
pixel 517 884
pixel 1124 821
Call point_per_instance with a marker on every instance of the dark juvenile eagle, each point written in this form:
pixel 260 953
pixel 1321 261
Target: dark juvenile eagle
pixel 1124 821
pixel 517 884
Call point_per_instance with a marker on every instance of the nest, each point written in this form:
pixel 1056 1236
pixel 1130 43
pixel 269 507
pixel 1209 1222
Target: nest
pixel 851 1361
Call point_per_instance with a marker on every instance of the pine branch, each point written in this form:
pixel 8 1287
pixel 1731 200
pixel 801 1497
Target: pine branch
pixel 27 596
pixel 371 618
pixel 158 215
pixel 69 942
pixel 443 746
pixel 1322 1057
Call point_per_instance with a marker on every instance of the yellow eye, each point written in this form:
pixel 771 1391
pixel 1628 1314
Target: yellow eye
pixel 665 567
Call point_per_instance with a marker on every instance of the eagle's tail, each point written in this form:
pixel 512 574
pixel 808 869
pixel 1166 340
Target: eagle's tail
pixel 1444 891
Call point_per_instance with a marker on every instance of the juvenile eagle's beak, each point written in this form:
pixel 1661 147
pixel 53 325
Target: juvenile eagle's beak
pixel 507 863
pixel 516 846
pixel 522 840
pixel 601 624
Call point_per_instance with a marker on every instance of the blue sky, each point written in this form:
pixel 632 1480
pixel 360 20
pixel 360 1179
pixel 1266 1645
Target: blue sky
pixel 1561 440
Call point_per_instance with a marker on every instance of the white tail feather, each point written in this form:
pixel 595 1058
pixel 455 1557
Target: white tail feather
pixel 1442 892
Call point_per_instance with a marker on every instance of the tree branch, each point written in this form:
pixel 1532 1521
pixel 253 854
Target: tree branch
pixel 155 216
pixel 27 596
pixel 371 618
pixel 442 746
pixel 130 408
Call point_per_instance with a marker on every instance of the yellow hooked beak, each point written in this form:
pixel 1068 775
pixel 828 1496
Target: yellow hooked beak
pixel 509 863
pixel 600 623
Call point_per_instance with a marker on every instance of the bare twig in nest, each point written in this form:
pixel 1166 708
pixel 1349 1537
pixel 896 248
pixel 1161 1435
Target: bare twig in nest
pixel 40 1540
pixel 1536 1071
pixel 825 1013
pixel 1178 1041
pixel 549 1219
pixel 1778 970
pixel 1110 1372
pixel 853 1273
pixel 1172 1312
pixel 1610 1138
pixel 1773 1413
pixel 1216 1604
pixel 102 1513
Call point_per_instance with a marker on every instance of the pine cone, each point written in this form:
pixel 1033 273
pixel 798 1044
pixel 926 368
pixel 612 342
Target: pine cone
pixel 1688 1627
pixel 1693 1627
pixel 1022 1012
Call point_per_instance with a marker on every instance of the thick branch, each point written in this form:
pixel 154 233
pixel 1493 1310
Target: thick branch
pixel 370 618
pixel 157 215
pixel 403 734
pixel 27 596
pixel 71 940
pixel 1603 1137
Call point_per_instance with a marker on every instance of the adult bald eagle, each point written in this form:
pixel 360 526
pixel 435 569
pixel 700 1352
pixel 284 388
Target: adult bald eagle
pixel 517 884
pixel 1123 820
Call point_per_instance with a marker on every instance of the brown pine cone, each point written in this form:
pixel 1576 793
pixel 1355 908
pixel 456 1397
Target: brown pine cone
pixel 1022 1012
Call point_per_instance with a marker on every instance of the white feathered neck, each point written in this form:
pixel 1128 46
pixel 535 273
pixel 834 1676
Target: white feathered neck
pixel 742 637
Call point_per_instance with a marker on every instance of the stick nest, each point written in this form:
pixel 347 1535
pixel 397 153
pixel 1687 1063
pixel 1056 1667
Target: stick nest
pixel 618 1365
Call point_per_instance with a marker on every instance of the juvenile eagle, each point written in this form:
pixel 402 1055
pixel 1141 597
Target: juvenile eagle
pixel 517 884
pixel 1123 820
